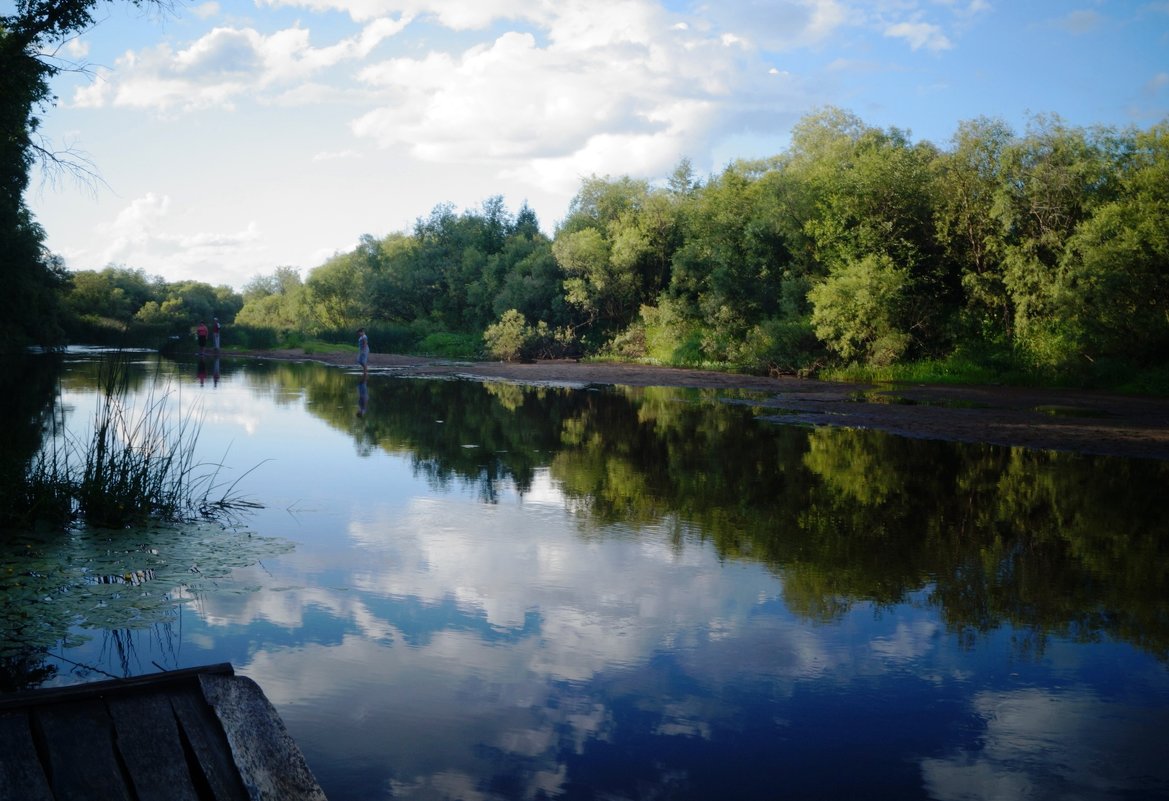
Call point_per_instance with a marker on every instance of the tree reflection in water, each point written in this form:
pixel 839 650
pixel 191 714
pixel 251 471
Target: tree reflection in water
pixel 682 599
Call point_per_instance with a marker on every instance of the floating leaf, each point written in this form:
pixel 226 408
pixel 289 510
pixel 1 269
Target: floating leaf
pixel 54 584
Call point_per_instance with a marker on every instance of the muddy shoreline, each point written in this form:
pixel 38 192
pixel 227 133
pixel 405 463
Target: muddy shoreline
pixel 1066 420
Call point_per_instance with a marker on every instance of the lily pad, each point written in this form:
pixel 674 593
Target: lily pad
pixel 54 584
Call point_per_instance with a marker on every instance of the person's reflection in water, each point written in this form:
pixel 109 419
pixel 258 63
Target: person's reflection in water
pixel 215 372
pixel 202 373
pixel 362 397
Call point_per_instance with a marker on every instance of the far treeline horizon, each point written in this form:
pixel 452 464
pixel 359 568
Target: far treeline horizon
pixel 1033 256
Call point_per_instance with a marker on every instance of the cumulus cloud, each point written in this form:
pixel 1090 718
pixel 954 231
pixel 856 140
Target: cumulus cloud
pixel 206 10
pixel 225 66
pixel 77 48
pixel 920 35
pixel 453 14
pixel 622 88
pixel 336 155
pixel 144 234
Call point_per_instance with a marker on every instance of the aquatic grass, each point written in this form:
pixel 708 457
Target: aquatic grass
pixel 45 498
pixel 135 465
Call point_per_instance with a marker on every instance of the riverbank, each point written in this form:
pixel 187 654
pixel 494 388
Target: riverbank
pixel 1050 419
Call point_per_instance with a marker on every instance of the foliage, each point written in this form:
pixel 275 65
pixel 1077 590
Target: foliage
pixel 118 306
pixel 856 310
pixel 133 467
pixel 512 338
pixel 88 580
pixel 446 345
pixel 505 339
pixel 993 537
pixel 1043 254
pixel 28 61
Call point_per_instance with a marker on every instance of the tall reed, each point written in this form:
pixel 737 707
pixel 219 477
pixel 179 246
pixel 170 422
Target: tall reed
pixel 137 464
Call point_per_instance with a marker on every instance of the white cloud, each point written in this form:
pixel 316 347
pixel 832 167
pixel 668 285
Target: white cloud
pixel 454 14
pixel 772 26
pixel 1039 744
pixel 206 10
pixel 919 35
pixel 77 48
pixel 145 234
pixel 619 88
pixel 226 65
pixel 336 155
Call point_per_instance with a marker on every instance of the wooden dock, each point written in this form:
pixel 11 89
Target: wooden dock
pixel 202 734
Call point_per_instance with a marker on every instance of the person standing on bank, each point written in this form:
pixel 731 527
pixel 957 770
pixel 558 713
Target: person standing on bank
pixel 215 334
pixel 201 335
pixel 363 352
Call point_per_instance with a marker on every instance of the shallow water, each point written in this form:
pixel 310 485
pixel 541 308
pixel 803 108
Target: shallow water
pixel 482 590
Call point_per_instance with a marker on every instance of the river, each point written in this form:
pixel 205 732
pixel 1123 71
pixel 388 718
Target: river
pixel 455 589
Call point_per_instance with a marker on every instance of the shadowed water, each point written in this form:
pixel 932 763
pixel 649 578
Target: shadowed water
pixel 477 590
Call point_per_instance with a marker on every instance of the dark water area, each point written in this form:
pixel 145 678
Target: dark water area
pixel 479 590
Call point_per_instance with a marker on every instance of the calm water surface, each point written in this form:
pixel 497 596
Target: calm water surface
pixel 489 591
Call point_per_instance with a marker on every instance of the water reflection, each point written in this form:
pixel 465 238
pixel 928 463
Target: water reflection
pixel 510 592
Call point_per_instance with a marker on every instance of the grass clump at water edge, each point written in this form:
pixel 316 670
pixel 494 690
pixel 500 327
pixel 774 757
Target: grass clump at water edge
pixel 135 466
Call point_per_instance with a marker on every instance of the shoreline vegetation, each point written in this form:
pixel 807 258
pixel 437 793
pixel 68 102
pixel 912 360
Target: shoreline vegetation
pixel 1093 422
pixel 133 466
pixel 1033 258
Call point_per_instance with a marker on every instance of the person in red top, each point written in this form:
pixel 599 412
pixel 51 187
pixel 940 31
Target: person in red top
pixel 201 334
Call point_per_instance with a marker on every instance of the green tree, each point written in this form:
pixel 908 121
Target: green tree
pixel 729 268
pixel 969 182
pixel 28 38
pixel 277 302
pixel 857 310
pixel 339 291
pixel 1113 276
pixel 505 339
pixel 615 248
pixel 1054 179
pixel 531 280
pixel 872 192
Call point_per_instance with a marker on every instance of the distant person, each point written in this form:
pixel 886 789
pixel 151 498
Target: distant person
pixel 363 352
pixel 215 334
pixel 201 335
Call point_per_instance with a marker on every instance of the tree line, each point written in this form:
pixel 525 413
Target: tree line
pixel 1047 250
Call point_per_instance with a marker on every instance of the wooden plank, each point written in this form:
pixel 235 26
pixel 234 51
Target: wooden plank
pixel 270 763
pixel 52 695
pixel 21 774
pixel 204 736
pixel 81 761
pixel 147 737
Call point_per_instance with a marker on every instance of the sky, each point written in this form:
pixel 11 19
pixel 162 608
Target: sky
pixel 226 139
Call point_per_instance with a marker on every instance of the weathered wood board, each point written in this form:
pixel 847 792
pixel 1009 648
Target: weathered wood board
pixel 202 734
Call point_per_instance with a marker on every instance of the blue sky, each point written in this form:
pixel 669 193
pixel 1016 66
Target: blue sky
pixel 235 137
